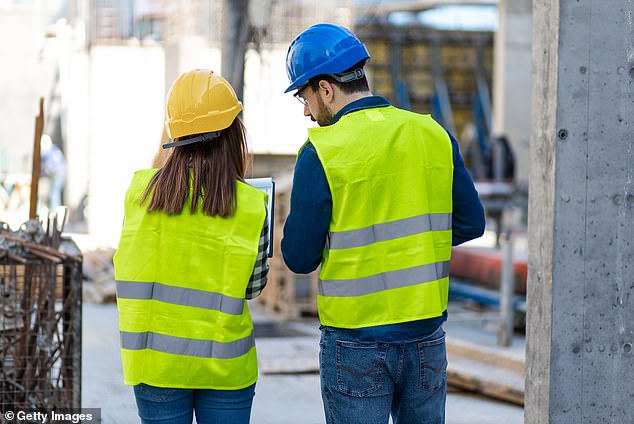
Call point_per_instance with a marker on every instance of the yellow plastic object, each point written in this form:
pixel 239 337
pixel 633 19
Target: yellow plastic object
pixel 200 101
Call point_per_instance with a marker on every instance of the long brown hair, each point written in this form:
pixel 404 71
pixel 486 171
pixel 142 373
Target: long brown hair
pixel 214 166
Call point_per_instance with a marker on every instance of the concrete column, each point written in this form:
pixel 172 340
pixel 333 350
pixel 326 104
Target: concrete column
pixel 511 80
pixel 580 328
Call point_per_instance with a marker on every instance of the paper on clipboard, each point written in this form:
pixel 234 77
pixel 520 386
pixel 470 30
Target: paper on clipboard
pixel 267 185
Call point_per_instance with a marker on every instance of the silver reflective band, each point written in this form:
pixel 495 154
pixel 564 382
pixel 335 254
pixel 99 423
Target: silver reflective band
pixel 180 296
pixel 184 346
pixel 390 230
pixel 384 281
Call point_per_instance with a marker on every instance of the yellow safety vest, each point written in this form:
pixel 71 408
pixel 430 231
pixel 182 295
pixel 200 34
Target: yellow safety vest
pixel 181 284
pixel 387 256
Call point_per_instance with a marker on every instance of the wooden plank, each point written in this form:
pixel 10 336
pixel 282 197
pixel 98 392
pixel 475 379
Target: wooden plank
pixel 486 379
pixel 35 171
pixel 491 356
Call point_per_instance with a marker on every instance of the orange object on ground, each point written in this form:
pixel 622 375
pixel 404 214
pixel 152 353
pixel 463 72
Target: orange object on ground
pixel 484 265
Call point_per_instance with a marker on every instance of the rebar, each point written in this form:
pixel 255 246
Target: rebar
pixel 40 313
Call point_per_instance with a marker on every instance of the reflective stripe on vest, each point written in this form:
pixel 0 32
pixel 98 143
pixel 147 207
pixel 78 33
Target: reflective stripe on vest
pixel 385 281
pixel 387 256
pixel 389 230
pixel 184 346
pixel 179 296
pixel 181 283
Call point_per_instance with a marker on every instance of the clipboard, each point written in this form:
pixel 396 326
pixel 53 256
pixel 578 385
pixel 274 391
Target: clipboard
pixel 267 185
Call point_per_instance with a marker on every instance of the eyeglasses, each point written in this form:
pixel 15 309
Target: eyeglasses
pixel 299 96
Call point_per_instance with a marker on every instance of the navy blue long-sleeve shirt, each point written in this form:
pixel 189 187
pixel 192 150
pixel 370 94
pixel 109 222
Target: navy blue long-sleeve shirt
pixel 308 222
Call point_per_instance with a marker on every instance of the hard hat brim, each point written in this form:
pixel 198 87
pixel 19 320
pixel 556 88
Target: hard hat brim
pixel 213 121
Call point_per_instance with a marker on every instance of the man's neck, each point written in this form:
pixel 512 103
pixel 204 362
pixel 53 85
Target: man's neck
pixel 345 99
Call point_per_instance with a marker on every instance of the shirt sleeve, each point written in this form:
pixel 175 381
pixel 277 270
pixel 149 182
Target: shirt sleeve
pixel 468 220
pixel 308 221
pixel 259 277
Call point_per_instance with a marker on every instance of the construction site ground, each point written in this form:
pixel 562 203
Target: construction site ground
pixel 480 372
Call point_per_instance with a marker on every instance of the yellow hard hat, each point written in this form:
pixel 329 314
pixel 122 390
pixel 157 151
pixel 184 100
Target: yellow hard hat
pixel 200 101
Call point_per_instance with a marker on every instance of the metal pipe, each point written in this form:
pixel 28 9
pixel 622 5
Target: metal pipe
pixel 505 331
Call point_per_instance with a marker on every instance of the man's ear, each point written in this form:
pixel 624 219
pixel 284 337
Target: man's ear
pixel 328 89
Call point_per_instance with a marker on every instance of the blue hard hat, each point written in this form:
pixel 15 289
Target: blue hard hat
pixel 322 49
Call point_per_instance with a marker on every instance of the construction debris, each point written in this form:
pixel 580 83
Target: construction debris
pixel 40 318
pixel 98 273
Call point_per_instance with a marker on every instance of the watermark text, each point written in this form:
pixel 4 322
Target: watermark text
pixel 52 416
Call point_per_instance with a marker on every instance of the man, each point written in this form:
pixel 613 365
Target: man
pixel 53 166
pixel 379 197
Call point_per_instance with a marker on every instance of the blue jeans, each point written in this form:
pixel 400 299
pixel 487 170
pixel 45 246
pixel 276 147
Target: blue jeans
pixel 177 406
pixel 364 381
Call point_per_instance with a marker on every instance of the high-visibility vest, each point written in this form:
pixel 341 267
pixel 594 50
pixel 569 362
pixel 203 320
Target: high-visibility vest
pixel 387 256
pixel 181 284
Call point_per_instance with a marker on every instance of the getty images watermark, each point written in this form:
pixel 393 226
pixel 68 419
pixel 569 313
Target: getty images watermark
pixel 62 416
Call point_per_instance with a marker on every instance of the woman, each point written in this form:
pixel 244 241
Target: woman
pixel 192 249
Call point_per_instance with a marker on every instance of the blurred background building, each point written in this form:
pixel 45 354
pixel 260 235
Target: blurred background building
pixel 103 68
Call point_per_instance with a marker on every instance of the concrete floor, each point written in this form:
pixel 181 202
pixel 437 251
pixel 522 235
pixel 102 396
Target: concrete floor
pixel 280 398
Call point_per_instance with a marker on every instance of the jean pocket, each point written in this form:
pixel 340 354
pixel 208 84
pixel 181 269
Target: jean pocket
pixel 433 364
pixel 154 394
pixel 360 367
